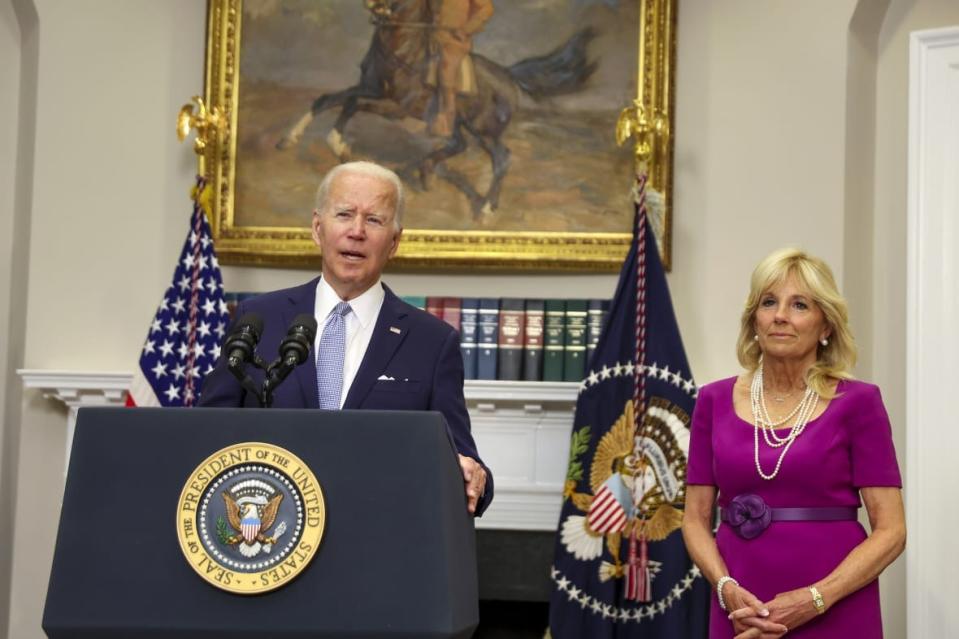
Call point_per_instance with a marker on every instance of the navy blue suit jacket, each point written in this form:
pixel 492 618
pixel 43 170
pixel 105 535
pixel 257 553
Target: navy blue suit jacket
pixel 420 352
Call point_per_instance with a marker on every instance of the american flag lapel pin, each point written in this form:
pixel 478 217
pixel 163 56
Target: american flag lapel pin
pixel 393 329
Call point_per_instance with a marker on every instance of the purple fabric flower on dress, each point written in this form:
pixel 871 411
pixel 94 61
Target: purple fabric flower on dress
pixel 748 515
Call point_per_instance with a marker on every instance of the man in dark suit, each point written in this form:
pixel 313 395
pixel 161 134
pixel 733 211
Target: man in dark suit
pixel 375 351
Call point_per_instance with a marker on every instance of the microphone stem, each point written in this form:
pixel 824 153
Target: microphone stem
pixel 246 381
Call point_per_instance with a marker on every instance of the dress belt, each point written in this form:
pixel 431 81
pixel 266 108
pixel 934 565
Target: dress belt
pixel 822 513
pixel 749 515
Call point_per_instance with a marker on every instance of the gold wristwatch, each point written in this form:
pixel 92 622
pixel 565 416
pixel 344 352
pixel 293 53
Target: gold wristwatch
pixel 817 600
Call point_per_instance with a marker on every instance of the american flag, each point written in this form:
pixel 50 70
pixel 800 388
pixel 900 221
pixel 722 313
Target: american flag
pixel 183 342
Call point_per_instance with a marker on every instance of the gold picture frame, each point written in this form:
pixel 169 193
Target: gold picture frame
pixel 242 241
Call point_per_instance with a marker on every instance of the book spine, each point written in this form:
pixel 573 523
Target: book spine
pixel 594 327
pixel 512 328
pixel 232 300
pixel 469 312
pixel 553 341
pixel 574 362
pixel 533 349
pixel 488 330
pixel 434 306
pixel 415 300
pixel 451 311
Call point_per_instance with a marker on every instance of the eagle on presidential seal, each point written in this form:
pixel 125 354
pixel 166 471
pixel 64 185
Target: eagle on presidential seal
pixel 637 482
pixel 251 510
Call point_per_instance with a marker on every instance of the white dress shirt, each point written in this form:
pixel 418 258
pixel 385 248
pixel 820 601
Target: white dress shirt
pixel 359 326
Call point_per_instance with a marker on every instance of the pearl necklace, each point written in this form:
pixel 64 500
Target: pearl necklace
pixel 762 421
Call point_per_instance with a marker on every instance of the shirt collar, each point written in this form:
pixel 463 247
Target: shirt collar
pixel 365 307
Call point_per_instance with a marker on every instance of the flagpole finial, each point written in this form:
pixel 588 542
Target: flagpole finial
pixel 644 126
pixel 208 125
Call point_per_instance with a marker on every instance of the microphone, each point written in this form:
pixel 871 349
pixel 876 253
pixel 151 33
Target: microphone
pixel 294 350
pixel 295 347
pixel 241 343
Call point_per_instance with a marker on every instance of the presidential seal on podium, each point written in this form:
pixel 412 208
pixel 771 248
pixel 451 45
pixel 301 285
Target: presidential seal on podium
pixel 250 518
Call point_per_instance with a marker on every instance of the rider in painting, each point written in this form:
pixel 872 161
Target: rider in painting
pixel 455 22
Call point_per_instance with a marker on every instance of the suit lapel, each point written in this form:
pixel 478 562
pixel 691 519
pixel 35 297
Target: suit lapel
pixel 388 333
pixel 303 300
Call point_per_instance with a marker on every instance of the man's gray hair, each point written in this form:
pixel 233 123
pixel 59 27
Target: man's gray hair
pixel 364 168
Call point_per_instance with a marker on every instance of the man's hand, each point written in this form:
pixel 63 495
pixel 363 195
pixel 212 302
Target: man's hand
pixel 474 477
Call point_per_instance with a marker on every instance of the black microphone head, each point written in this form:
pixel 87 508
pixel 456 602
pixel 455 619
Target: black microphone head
pixel 241 343
pixel 308 322
pixel 254 322
pixel 295 347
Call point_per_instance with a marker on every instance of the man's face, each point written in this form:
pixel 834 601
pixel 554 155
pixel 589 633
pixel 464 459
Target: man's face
pixel 356 232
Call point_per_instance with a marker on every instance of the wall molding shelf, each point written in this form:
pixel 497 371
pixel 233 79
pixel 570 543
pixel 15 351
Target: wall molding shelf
pixel 522 429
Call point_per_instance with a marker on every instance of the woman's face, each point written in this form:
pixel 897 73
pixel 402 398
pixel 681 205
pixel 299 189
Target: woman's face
pixel 788 322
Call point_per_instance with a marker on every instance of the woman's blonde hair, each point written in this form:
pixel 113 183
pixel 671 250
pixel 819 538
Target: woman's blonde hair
pixel 834 361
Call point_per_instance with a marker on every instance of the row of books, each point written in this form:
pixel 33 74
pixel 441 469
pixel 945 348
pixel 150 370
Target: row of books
pixel 513 338
pixel 522 339
pixel 233 299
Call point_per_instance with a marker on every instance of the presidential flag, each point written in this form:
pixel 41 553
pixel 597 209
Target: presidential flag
pixel 621 568
pixel 183 342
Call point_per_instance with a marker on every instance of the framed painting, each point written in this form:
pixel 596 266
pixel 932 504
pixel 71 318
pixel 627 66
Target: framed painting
pixel 502 127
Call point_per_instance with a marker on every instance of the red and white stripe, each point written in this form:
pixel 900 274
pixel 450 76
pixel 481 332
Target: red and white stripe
pixel 141 392
pixel 606 515
pixel 249 529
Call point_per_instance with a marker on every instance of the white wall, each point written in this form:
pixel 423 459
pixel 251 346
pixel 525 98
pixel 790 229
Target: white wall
pixel 769 152
pixel 860 153
pixel 111 188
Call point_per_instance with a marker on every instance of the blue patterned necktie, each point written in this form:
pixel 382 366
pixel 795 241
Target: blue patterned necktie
pixel 329 360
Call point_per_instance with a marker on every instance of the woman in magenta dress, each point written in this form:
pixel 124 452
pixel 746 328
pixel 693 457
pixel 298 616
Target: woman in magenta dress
pixel 787 449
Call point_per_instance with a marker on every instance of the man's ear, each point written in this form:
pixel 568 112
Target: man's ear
pixel 316 226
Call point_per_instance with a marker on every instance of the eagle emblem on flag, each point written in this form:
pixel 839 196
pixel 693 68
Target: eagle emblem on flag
pixel 635 480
